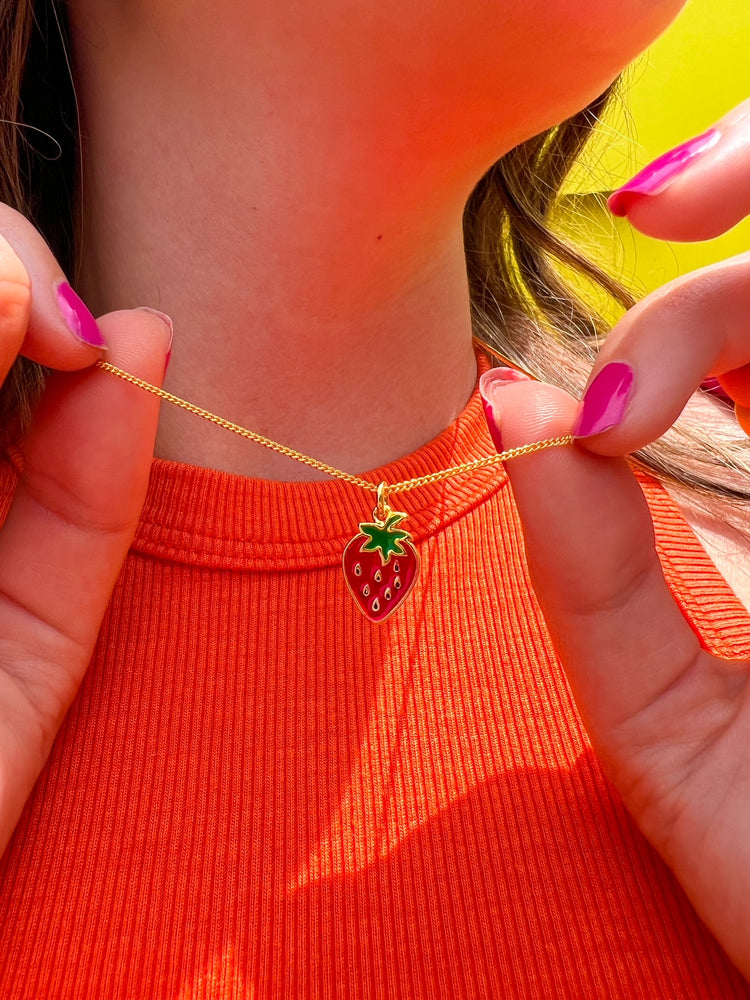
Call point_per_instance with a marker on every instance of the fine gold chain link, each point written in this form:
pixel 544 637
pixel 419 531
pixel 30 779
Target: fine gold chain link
pixel 385 489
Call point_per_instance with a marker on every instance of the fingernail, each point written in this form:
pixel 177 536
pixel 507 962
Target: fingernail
pixel 78 318
pixel 605 401
pixel 657 176
pixel 490 386
pixel 168 322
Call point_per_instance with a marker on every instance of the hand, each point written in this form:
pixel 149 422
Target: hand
pixel 670 722
pixel 86 465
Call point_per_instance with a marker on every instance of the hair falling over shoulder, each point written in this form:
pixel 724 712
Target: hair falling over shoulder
pixel 38 154
pixel 522 305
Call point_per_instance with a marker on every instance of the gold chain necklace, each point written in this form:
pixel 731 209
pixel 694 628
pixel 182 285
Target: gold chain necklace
pixel 380 564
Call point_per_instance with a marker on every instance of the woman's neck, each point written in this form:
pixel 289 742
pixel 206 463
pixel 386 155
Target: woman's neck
pixel 310 257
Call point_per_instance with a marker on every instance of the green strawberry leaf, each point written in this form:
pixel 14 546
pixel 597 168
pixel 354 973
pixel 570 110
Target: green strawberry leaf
pixel 385 538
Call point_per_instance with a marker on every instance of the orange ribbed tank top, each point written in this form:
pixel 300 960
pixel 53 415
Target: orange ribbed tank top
pixel 258 793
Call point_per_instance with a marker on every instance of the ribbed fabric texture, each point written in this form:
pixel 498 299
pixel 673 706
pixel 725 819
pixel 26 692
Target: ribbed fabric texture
pixel 258 793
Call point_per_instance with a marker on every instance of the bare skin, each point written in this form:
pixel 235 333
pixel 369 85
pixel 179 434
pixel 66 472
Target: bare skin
pixel 289 178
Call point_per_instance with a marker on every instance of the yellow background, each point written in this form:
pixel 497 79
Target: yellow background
pixel 696 72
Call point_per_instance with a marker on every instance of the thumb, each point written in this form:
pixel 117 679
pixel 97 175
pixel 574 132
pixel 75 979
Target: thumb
pixel 86 462
pixel 593 563
pixel 668 720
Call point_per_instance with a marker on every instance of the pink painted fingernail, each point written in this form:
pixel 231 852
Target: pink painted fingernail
pixel 77 317
pixel 657 176
pixel 605 401
pixel 168 323
pixel 490 386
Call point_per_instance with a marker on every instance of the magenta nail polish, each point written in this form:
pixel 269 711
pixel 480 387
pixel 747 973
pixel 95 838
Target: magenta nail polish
pixel 495 434
pixel 605 401
pixel 490 385
pixel 657 176
pixel 78 318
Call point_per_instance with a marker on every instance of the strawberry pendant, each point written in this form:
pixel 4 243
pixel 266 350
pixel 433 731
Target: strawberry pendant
pixel 380 564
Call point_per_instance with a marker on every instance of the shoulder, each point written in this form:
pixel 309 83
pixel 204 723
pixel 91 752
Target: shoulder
pixel 727 547
pixel 706 563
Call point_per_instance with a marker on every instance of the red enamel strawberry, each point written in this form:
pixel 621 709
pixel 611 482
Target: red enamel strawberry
pixel 381 566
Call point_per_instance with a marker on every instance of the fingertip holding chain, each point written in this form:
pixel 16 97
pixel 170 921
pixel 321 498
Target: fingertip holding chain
pixel 384 490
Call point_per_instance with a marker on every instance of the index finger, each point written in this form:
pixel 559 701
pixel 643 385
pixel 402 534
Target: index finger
pixel 696 191
pixel 658 354
pixel 61 333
